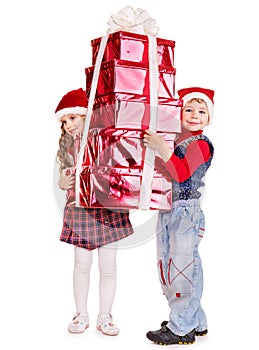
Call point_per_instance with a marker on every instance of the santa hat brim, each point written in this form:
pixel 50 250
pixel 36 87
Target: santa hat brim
pixel 204 97
pixel 70 110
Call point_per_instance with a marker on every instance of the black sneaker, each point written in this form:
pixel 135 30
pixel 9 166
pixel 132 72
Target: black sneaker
pixel 201 333
pixel 198 333
pixel 166 337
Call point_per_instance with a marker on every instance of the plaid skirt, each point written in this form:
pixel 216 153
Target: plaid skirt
pixel 92 228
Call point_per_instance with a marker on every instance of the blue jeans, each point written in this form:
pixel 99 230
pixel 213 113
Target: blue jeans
pixel 179 233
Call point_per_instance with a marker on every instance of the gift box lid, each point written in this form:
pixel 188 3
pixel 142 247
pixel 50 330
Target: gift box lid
pixel 135 36
pixel 117 96
pixel 129 64
pixel 123 110
pixel 130 77
pixel 133 47
pixel 118 133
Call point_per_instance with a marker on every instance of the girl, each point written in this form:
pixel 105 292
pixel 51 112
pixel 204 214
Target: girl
pixel 87 228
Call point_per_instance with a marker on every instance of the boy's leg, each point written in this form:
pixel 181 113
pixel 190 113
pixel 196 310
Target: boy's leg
pixel 185 276
pixel 163 251
pixel 203 326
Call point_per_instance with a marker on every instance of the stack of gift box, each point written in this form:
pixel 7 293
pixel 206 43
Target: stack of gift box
pixel 113 161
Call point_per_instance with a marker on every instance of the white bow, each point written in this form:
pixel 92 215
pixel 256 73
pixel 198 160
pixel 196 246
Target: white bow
pixel 134 21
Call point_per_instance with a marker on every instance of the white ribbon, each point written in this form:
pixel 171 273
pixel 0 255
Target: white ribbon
pixel 149 161
pixel 134 21
pixel 88 116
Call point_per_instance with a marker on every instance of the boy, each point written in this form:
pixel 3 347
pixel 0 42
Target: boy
pixel 180 230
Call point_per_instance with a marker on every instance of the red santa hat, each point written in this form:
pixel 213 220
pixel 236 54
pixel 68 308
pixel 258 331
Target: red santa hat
pixel 198 92
pixel 74 102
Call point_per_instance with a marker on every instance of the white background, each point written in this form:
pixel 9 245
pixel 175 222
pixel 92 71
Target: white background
pixel 45 46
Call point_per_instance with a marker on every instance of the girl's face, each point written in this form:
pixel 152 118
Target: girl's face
pixel 73 123
pixel 195 116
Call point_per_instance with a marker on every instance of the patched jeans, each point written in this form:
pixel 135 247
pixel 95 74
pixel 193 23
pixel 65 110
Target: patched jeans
pixel 179 233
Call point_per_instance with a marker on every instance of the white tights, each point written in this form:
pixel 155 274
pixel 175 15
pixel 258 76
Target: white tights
pixel 107 281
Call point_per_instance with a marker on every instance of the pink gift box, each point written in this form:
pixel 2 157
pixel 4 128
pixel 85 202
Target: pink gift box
pixel 117 110
pixel 112 170
pixel 119 187
pixel 130 77
pixel 120 147
pixel 128 46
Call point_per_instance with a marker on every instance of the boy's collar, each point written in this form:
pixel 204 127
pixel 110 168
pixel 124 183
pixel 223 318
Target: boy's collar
pixel 186 134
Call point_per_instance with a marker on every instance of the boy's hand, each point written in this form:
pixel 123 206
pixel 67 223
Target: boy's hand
pixel 66 182
pixel 154 141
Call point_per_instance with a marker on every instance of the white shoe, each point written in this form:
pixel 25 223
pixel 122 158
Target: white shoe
pixel 79 324
pixel 106 326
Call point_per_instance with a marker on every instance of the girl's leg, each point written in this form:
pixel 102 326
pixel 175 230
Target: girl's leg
pixel 107 283
pixel 81 279
pixel 107 288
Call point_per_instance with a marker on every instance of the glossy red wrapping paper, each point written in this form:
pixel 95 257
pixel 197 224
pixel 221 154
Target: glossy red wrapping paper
pixel 112 169
pixel 119 187
pixel 110 174
pixel 130 77
pixel 117 110
pixel 120 147
pixel 128 46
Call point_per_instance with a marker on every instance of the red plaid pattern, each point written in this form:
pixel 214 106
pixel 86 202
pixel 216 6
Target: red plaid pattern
pixel 91 228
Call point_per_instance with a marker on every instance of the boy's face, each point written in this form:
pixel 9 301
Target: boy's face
pixel 73 123
pixel 195 116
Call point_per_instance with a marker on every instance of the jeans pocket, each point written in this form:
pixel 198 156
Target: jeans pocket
pixel 184 221
pixel 189 213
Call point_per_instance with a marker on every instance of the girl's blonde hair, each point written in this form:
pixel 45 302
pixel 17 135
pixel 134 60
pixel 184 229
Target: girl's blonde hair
pixel 66 149
pixel 65 143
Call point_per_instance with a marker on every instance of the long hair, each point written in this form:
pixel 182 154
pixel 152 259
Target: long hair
pixel 65 143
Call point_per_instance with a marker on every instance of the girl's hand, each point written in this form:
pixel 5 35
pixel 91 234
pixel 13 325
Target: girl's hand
pixel 66 182
pixel 157 142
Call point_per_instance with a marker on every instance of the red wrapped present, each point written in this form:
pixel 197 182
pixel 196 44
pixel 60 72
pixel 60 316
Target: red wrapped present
pixel 130 77
pixel 120 147
pixel 133 47
pixel 117 110
pixel 110 174
pixel 119 187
